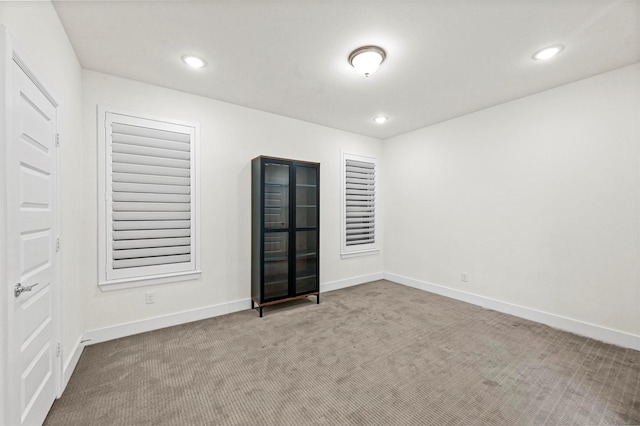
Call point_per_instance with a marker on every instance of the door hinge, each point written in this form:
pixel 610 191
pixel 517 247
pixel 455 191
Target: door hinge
pixel 57 139
pixel 57 245
pixel 58 350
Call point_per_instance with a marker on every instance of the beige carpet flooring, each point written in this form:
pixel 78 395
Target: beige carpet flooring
pixel 374 354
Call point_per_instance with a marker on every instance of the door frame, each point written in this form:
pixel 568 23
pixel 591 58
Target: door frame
pixel 10 54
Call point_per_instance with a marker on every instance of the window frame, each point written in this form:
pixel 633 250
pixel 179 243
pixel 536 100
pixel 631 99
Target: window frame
pixel 109 278
pixel 361 249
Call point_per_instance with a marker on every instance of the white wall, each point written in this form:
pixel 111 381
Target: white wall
pixel 39 35
pixel 538 200
pixel 230 137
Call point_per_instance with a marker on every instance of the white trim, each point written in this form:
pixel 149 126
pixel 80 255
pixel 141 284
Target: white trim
pixel 129 329
pixel 58 251
pixel 5 124
pixel 146 281
pixel 581 328
pixel 71 364
pixel 363 249
pixel 359 253
pixel 108 278
pixel 567 324
pixel 348 282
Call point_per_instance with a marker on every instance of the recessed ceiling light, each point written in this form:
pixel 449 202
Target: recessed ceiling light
pixel 548 52
pixel 367 59
pixel 381 119
pixel 193 61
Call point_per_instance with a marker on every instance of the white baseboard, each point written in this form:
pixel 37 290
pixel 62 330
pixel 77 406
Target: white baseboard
pixel 567 324
pixel 70 365
pixel 336 285
pixel 128 329
pixel 581 328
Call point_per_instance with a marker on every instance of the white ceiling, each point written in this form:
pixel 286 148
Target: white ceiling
pixel 444 58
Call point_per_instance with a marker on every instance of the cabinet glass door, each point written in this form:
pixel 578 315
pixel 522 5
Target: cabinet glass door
pixel 276 264
pixel 306 197
pixel 306 261
pixel 276 196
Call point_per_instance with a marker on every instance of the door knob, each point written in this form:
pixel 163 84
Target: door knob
pixel 18 289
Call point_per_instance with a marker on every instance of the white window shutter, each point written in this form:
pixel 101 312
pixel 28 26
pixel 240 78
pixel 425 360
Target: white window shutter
pixel 359 204
pixel 150 198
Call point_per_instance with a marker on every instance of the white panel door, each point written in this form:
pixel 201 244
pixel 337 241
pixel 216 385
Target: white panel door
pixel 31 200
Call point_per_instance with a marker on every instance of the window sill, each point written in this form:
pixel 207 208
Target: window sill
pixel 146 281
pixel 359 253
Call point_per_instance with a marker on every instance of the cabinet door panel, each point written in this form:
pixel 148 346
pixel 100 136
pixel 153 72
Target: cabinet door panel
pixel 306 197
pixel 306 261
pixel 276 264
pixel 276 196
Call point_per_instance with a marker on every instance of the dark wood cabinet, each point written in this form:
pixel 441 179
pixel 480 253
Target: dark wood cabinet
pixel 285 220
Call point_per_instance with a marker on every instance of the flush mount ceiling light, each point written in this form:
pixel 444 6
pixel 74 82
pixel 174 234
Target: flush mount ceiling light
pixel 548 52
pixel 381 119
pixel 367 59
pixel 193 61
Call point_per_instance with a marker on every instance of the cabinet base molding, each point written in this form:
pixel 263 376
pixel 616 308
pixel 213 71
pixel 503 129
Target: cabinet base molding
pixel 259 306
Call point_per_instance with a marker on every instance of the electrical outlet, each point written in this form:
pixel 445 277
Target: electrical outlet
pixel 464 277
pixel 150 297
